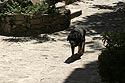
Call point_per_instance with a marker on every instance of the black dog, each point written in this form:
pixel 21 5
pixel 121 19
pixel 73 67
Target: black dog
pixel 76 38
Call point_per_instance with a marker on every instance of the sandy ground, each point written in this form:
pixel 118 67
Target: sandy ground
pixel 33 60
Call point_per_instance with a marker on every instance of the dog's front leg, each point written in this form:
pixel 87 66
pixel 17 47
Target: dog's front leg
pixel 72 48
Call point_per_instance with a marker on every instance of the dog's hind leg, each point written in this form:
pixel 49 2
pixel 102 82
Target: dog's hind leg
pixel 80 49
pixel 72 49
pixel 83 47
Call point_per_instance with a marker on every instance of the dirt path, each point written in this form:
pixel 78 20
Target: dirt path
pixel 35 61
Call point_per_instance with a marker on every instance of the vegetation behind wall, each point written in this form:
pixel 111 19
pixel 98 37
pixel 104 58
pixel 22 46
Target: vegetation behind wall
pixel 21 18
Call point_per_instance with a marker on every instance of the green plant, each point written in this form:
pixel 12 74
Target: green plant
pixel 39 8
pixel 26 7
pixel 111 60
pixel 113 39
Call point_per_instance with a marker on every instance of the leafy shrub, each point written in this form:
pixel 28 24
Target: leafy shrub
pixel 113 39
pixel 16 6
pixel 112 58
pixel 27 7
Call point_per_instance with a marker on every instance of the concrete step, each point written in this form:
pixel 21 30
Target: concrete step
pixel 75 13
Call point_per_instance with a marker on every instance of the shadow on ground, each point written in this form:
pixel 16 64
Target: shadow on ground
pixel 73 58
pixel 88 74
pixel 103 7
pixel 39 38
pixel 111 21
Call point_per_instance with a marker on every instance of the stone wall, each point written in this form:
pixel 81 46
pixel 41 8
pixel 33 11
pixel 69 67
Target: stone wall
pixel 24 25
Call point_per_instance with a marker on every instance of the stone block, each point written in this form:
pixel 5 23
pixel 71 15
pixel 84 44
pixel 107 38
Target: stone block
pixel 36 16
pixel 7 28
pixel 35 21
pixel 19 17
pixel 47 18
pixel 56 17
pixel 7 19
pixel 75 13
pixel 19 22
pixel 36 26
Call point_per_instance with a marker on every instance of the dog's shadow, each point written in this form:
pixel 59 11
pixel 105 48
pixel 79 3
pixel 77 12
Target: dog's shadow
pixel 73 58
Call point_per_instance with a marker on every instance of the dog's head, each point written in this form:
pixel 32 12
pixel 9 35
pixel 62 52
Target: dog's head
pixel 74 37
